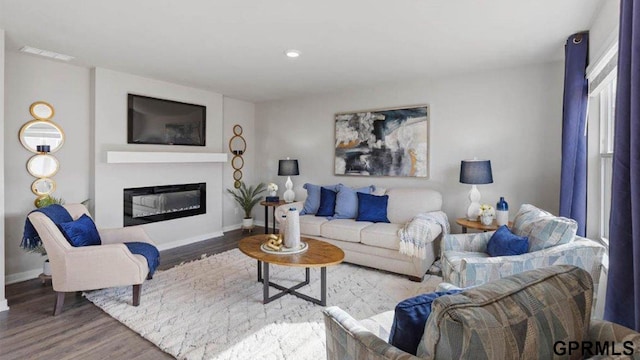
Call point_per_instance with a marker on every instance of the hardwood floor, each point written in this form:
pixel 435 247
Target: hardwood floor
pixel 82 330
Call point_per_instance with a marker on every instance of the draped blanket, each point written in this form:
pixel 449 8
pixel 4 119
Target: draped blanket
pixel 415 235
pixel 30 238
pixel 149 251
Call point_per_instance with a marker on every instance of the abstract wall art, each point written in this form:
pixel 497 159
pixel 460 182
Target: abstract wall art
pixel 388 142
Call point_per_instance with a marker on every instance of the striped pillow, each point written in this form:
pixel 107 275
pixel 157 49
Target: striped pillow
pixel 542 228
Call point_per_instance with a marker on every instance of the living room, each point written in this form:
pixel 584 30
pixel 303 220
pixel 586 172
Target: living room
pixel 499 104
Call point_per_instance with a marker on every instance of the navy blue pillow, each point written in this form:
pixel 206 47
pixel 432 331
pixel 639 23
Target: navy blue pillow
pixel 410 318
pixel 372 208
pixel 81 232
pixel 327 202
pixel 504 243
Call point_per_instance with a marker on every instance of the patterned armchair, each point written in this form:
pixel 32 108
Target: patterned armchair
pixel 552 241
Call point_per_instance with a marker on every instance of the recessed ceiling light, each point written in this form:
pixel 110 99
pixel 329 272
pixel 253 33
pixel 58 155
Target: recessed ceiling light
pixel 46 53
pixel 292 53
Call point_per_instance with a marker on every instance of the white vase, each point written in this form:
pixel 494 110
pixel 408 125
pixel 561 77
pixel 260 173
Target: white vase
pixel 486 219
pixel 247 223
pixel 46 267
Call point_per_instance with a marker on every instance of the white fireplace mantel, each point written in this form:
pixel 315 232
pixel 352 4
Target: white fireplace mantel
pixel 131 157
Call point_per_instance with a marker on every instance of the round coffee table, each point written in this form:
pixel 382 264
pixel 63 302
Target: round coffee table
pixel 319 254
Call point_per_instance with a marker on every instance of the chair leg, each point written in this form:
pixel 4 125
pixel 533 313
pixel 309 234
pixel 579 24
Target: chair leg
pixel 149 276
pixel 57 308
pixel 136 295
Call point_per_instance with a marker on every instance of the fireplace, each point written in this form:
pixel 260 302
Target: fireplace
pixel 159 203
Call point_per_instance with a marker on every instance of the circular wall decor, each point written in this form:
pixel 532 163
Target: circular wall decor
pixel 41 110
pixel 41 132
pixel 43 186
pixel 42 166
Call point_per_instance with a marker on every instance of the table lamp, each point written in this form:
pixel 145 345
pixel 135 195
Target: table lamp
pixel 475 172
pixel 288 168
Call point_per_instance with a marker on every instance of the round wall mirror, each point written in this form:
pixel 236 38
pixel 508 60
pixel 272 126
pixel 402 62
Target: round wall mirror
pixel 237 162
pixel 237 130
pixel 237 175
pixel 43 186
pixel 41 132
pixel 42 166
pixel 41 110
pixel 237 145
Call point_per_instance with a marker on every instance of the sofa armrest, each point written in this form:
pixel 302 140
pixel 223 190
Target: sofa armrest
pixel 281 211
pixel 627 340
pixel 581 252
pixel 124 234
pixel 476 242
pixel 348 339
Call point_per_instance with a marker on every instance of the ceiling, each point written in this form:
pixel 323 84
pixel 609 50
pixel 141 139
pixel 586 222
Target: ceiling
pixel 236 47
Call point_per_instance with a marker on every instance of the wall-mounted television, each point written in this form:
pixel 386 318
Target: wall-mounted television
pixel 166 122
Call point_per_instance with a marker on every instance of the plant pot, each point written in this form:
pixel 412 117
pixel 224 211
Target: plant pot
pixel 486 220
pixel 46 267
pixel 247 223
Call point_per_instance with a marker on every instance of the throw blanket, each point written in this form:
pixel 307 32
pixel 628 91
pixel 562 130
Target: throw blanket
pixel 30 238
pixel 417 232
pixel 148 251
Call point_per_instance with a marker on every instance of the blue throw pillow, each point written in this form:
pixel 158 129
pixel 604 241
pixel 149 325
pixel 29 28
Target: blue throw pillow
pixel 81 232
pixel 312 202
pixel 347 201
pixel 504 243
pixel 327 202
pixel 410 318
pixel 372 208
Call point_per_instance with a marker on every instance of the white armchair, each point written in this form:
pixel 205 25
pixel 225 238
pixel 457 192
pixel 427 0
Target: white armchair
pixel 91 267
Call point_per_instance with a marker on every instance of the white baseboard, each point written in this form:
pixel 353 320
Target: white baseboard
pixel 190 240
pixel 3 305
pixel 239 226
pixel 22 276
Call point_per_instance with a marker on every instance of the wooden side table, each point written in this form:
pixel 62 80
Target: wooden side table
pixel 477 225
pixel 267 205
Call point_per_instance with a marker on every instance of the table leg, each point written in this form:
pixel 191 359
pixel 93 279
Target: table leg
pixel 306 275
pixel 464 229
pixel 259 271
pixel 266 219
pixel 323 285
pixel 265 283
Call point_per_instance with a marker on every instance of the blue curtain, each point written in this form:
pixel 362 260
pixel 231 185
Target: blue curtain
pixel 573 183
pixel 623 285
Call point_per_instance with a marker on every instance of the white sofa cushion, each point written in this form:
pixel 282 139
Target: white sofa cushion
pixel 382 235
pixel 343 229
pixel 310 224
pixel 404 204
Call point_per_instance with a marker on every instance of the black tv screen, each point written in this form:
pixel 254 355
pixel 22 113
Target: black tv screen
pixel 166 122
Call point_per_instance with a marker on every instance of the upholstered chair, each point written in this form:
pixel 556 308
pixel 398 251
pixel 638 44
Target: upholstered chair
pixel 91 267
pixel 552 241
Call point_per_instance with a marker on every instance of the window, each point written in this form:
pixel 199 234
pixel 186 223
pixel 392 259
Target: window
pixel 607 99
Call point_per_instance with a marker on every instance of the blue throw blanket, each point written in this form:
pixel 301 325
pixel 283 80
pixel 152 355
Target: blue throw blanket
pixel 148 251
pixel 30 238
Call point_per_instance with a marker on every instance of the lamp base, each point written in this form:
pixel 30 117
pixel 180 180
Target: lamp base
pixel 474 204
pixel 289 195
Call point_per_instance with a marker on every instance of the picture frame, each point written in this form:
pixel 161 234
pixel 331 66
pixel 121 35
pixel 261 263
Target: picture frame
pixel 384 142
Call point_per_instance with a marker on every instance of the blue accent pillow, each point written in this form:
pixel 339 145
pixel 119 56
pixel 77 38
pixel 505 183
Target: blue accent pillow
pixel 410 318
pixel 504 243
pixel 327 202
pixel 347 201
pixel 312 202
pixel 81 232
pixel 372 208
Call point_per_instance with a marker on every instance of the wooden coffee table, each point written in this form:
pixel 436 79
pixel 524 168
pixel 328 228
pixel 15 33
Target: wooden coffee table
pixel 318 254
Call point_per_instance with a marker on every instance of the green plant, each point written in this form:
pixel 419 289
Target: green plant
pixel 48 200
pixel 247 197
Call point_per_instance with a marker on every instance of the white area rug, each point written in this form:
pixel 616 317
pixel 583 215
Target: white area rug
pixel 212 308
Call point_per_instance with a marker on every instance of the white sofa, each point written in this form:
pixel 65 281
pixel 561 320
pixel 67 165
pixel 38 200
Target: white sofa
pixel 376 245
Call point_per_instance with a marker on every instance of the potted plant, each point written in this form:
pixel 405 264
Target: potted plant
pixel 247 198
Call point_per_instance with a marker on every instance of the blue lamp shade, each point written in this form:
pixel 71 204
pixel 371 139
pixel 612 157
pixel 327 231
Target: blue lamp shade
pixel 288 167
pixel 476 172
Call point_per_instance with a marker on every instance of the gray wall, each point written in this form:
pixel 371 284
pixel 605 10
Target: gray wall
pixel 510 116
pixel 66 87
pixel 3 301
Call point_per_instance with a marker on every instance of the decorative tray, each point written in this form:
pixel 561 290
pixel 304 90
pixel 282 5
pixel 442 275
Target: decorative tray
pixel 285 250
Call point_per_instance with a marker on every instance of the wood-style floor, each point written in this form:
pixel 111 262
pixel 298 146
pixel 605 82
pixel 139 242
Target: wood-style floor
pixel 82 330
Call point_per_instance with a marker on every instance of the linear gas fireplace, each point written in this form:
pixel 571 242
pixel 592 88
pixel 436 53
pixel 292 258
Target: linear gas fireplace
pixel 158 203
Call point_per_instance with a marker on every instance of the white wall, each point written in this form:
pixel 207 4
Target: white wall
pixel 241 113
pixel 66 87
pixel 604 28
pixel 3 300
pixel 110 124
pixel 511 116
